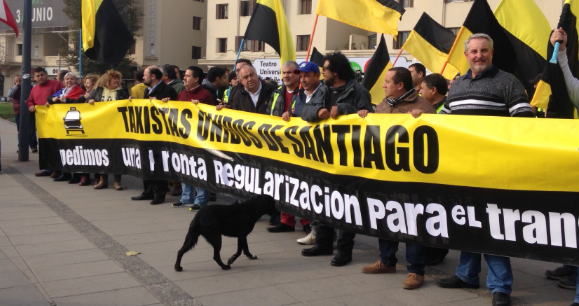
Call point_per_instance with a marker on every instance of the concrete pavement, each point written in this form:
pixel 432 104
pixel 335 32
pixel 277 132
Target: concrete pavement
pixel 63 244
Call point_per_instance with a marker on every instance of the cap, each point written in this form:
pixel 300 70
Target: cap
pixel 307 67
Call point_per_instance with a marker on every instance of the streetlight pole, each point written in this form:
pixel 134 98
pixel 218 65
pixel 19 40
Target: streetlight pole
pixel 25 120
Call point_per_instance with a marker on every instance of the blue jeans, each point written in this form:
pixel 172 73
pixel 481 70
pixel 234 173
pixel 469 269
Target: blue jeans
pixel 187 195
pixel 500 277
pixel 415 255
pixel 32 142
pixel 202 197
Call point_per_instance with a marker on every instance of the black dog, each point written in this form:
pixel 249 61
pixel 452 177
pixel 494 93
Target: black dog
pixel 236 220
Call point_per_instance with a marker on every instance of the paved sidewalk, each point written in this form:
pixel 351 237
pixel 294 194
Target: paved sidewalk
pixel 62 244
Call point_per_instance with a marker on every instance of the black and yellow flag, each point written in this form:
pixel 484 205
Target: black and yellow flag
pixel 105 37
pixel 380 16
pixel 268 24
pixel 551 93
pixel 317 57
pixel 519 31
pixel 376 72
pixel 430 43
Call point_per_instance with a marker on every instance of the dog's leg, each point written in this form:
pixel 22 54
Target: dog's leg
pixel 236 255
pixel 215 240
pixel 190 242
pixel 243 241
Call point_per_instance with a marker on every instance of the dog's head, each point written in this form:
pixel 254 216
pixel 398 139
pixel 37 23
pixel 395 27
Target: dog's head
pixel 265 203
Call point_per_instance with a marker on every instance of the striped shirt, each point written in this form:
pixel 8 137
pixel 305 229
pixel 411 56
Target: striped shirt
pixel 491 93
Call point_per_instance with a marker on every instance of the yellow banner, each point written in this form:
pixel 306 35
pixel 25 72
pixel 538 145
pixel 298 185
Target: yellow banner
pixel 488 152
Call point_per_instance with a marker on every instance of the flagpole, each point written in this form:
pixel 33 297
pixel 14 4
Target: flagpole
pixel 452 49
pixel 25 117
pixel 312 38
pixel 397 57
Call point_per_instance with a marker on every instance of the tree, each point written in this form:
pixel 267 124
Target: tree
pixel 131 15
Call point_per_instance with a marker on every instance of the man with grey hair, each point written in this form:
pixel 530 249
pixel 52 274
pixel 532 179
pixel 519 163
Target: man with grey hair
pixel 281 101
pixel 485 91
pixel 254 95
pixel 285 95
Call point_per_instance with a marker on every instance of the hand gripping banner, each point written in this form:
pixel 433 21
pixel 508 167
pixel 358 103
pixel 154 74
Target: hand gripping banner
pixel 504 186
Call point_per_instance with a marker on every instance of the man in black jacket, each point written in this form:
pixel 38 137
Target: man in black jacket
pixel 216 79
pixel 155 190
pixel 255 97
pixel 345 96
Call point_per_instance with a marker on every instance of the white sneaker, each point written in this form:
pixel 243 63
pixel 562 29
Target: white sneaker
pixel 307 240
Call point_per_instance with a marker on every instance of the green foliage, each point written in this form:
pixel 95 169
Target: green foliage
pixel 131 16
pixel 6 111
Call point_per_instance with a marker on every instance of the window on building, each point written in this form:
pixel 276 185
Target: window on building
pixel 406 3
pixel 222 11
pixel 196 23
pixel 454 30
pixel 249 45
pixel 196 52
pixel 305 7
pixel 303 42
pixel 244 9
pixel 372 41
pixel 19 49
pixel 221 45
pixel 402 37
pixel 133 49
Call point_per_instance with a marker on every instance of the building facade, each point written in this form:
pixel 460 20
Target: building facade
pixel 228 19
pixel 208 33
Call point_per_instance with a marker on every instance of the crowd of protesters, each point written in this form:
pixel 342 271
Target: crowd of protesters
pixel 314 95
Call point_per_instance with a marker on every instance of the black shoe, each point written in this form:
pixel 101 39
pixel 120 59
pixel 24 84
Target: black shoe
pixel 63 177
pixel 34 150
pixel 195 207
pixel 307 229
pixel 455 282
pixel 501 299
pixel 75 179
pixel 569 282
pixel 281 228
pixel 559 272
pixel 274 220
pixel 342 259
pixel 317 251
pixel 158 201
pixel 142 197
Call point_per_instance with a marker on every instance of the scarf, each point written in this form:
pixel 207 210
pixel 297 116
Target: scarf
pixel 392 102
pixel 66 91
pixel 109 95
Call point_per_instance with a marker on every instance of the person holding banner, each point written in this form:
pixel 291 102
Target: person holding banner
pixel 488 91
pixel 39 96
pixel 196 93
pixel 107 88
pixel 401 98
pixel 283 98
pixel 155 190
pixel 69 94
pixel 434 88
pixel 345 96
pixel 572 84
